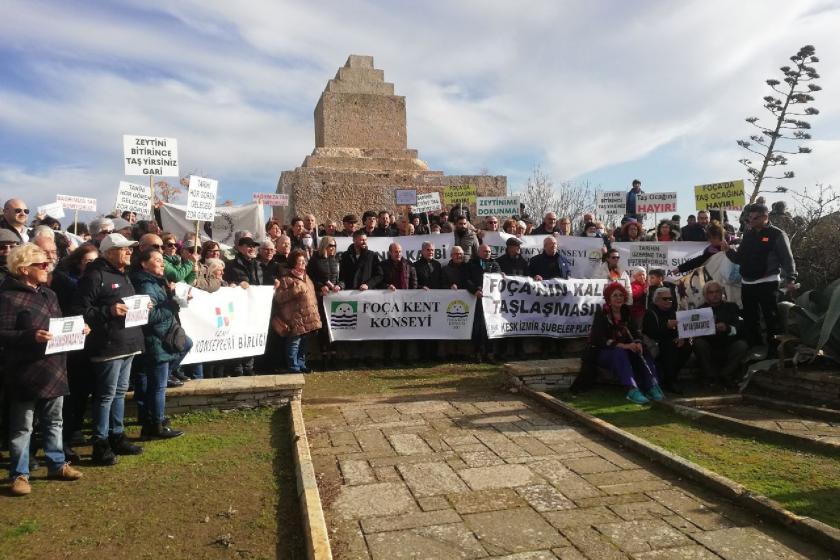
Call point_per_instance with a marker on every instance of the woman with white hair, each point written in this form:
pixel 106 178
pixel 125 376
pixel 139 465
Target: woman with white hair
pixel 36 383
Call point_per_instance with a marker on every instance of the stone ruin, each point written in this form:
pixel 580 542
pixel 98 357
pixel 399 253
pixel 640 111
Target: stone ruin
pixel 361 152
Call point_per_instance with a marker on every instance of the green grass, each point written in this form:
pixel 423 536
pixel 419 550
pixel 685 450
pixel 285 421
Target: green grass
pixel 804 482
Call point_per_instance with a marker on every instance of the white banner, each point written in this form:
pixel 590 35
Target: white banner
pixel 229 220
pixel 696 322
pixel 138 310
pixel 611 202
pixel 499 206
pixel 411 245
pixel 656 203
pixel 53 210
pixel 426 202
pixel 132 197
pixel 584 253
pixel 70 202
pixel 400 314
pixel 67 334
pixel 271 199
pixel 229 323
pixel 201 199
pixel 519 306
pixel 149 155
pixel 651 254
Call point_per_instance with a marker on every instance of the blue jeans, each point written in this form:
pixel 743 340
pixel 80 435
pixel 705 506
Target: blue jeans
pixel 295 353
pixel 21 415
pixel 157 375
pixel 627 366
pixel 110 385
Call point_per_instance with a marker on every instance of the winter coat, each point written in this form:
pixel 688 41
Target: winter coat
pixel 467 241
pixel 161 316
pixel 408 280
pixel 279 266
pixel 556 266
pixel 476 269
pixel 323 270
pixel 364 268
pixel 6 225
pixel 637 289
pixel 176 269
pixel 203 280
pixel 513 266
pixel 693 232
pixel 655 325
pixel 542 230
pixel 606 333
pixel 429 274
pixel 457 274
pixel 764 253
pixel 729 313
pixel 102 286
pixel 30 375
pixel 65 284
pixel 241 270
pixel 295 305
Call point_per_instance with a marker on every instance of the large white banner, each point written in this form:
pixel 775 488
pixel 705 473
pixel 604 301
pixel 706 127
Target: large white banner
pixel 229 323
pixel 228 220
pixel 584 253
pixel 400 314
pixel 520 306
pixel 651 254
pixel 411 245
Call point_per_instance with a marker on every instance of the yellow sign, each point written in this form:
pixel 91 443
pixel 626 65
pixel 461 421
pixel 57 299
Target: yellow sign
pixel 465 194
pixel 728 195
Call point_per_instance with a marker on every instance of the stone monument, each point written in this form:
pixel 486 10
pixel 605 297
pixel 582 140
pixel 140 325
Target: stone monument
pixel 361 152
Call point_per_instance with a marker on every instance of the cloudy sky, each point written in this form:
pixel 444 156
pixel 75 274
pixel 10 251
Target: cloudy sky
pixel 602 91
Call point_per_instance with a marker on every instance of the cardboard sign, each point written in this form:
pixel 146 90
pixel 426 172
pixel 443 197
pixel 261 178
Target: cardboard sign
pixel 696 322
pixel 501 206
pixel 135 198
pixel 406 197
pixel 138 310
pixel 76 202
pixel 53 210
pixel 68 334
pixel 728 195
pixel 201 199
pixel 270 199
pixel 656 203
pixel 461 194
pixel 611 202
pixel 150 155
pixel 426 202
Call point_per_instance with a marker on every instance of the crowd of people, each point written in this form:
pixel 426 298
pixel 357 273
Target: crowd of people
pixel 46 274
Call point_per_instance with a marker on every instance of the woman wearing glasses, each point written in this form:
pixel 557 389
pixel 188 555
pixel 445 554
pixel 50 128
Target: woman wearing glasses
pixel 177 268
pixel 323 269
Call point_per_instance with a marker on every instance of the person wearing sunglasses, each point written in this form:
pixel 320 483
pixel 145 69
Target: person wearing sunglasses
pixel 659 331
pixel 178 269
pixel 39 382
pixel 15 216
pixel 8 241
pixel 100 228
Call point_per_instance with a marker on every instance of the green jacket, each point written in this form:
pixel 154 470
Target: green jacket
pixel 177 269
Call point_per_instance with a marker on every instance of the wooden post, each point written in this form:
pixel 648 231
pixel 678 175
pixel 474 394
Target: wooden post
pixel 152 191
pixel 197 235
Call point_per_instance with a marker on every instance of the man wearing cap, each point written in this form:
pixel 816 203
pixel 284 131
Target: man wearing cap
pixel 15 215
pixel 123 227
pixel 349 223
pixel 512 263
pixel 110 345
pixel 550 263
pixel 244 269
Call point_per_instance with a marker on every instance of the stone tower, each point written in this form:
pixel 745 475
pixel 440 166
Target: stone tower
pixel 361 152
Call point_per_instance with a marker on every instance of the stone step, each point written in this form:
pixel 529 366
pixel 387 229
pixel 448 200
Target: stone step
pixel 372 88
pixel 562 366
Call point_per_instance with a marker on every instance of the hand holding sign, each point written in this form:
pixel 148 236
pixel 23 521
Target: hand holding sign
pixel 696 322
pixel 66 334
pixel 137 313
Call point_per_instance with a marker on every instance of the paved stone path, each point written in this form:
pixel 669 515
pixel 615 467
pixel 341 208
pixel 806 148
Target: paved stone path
pixel 782 421
pixel 498 476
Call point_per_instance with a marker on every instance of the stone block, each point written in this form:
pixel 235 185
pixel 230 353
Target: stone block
pixel 514 530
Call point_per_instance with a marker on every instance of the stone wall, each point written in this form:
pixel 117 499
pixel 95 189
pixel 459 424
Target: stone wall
pixel 818 388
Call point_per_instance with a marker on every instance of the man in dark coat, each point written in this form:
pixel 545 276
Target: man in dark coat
pixel 15 216
pixel 548 226
pixel 485 349
pixel 397 274
pixel 721 354
pixel 244 268
pixel 360 268
pixel 111 346
pixel 696 229
pixel 429 270
pixel 660 327
pixel 512 263
pixel 550 263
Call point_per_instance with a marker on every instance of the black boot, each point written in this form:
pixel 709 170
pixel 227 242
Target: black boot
pixel 159 431
pixel 102 453
pixel 121 446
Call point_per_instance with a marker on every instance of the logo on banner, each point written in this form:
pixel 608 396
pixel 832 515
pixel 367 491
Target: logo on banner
pixel 457 313
pixel 221 228
pixel 224 317
pixel 344 314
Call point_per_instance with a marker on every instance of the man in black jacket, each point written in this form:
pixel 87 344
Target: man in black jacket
pixel 548 226
pixel 15 216
pixel 429 271
pixel 720 355
pixel 660 327
pixel 512 263
pixel 766 259
pixel 110 345
pixel 244 269
pixel 485 349
pixel 360 268
pixel 550 263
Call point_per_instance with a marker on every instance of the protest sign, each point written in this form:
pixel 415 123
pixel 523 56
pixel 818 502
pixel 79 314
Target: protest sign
pixel 400 314
pixel 138 310
pixel 656 203
pixel 69 202
pixel 611 202
pixel 728 195
pixel 411 245
pixel 405 197
pixel 68 334
pixel 271 199
pixel 583 253
pixel 53 210
pixel 520 306
pixel 500 206
pixel 150 155
pixel 134 198
pixel 201 199
pixel 667 255
pixel 426 202
pixel 460 194
pixel 229 323
pixel 228 220
pixel 695 322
